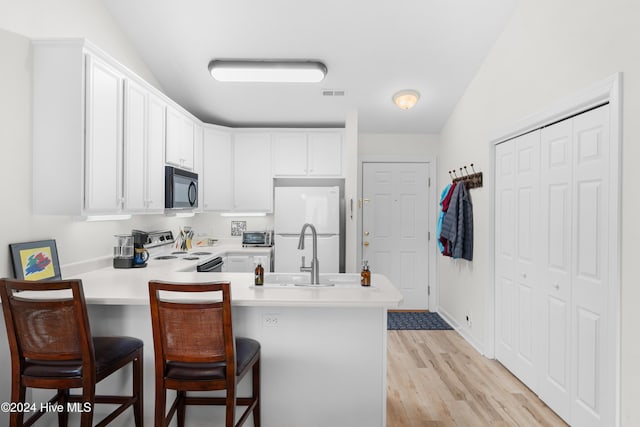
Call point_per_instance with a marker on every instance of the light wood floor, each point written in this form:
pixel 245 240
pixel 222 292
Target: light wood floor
pixel 435 378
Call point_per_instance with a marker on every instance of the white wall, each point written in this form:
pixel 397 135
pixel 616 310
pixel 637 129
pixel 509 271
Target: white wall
pixel 391 144
pixel 76 240
pixel 548 51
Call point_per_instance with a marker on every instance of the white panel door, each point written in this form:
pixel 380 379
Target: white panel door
pixel 556 220
pixel 505 253
pixel 395 222
pixel 592 364
pixel 517 288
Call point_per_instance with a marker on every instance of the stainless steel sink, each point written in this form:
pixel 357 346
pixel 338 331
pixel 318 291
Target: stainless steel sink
pixel 283 280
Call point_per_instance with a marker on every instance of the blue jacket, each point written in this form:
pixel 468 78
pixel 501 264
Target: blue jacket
pixel 457 225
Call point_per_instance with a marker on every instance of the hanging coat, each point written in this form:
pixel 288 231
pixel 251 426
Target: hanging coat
pixel 457 224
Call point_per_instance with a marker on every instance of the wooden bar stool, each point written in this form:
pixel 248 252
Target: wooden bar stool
pixel 52 348
pixel 195 350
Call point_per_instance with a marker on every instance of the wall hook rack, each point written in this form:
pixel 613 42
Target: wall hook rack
pixel 470 180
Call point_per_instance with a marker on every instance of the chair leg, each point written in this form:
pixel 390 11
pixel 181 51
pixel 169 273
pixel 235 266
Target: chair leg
pixel 230 417
pixel 161 404
pixel 88 395
pixel 255 385
pixel 182 407
pixel 138 392
pixel 63 416
pixel 18 392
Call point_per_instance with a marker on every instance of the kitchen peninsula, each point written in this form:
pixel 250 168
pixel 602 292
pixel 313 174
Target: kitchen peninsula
pixel 323 348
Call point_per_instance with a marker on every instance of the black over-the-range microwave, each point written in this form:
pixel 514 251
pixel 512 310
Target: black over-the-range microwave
pixel 180 188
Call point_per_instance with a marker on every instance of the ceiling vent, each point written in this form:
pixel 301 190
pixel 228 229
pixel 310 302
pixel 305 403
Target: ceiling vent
pixel 333 92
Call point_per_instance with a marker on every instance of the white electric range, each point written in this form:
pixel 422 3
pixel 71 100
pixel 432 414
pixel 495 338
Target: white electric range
pixel 162 248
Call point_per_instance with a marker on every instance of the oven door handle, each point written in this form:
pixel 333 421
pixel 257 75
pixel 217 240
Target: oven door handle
pixel 214 264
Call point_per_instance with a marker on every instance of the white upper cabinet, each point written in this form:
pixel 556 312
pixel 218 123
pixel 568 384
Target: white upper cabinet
pixel 154 195
pixel 252 179
pixel 144 125
pixel 325 153
pixel 216 179
pixel 99 134
pixel 290 154
pixel 103 155
pixel 180 139
pixel 311 153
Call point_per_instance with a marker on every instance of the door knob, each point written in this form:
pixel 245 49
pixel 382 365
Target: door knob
pixel 366 243
pixel 366 233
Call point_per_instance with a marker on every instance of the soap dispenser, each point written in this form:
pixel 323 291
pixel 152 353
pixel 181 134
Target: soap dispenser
pixel 259 275
pixel 365 274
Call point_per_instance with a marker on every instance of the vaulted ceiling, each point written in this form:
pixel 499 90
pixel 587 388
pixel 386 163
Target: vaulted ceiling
pixel 372 49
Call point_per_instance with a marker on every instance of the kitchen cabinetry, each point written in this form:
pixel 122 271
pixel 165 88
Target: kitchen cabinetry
pixel 243 263
pixel 252 179
pixel 312 153
pixel 144 125
pixel 99 134
pixel 103 155
pixel 77 130
pixel 216 177
pixel 179 147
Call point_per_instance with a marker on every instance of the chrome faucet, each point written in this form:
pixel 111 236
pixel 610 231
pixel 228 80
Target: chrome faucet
pixel 315 273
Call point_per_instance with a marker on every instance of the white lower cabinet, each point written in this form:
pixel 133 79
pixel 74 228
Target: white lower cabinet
pixel 242 263
pixel 552 266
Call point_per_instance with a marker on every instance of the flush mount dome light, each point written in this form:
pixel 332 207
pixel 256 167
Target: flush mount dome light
pixel 271 71
pixel 406 99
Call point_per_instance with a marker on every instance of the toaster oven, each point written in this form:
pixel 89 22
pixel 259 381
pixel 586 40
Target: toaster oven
pixel 257 238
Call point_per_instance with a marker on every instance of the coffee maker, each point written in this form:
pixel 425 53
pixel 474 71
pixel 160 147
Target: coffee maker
pixel 123 251
pixel 140 254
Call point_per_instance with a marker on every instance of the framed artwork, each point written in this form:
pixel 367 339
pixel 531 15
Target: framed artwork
pixel 237 227
pixel 35 260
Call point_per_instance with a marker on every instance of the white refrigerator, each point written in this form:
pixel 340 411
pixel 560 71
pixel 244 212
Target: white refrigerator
pixel 295 206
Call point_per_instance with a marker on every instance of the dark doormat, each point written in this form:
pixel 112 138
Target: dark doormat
pixel 416 320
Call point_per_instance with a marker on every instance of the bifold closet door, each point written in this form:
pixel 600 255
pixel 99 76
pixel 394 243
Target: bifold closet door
pixel 516 256
pixel 577 379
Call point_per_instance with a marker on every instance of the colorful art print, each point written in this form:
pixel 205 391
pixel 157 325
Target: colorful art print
pixel 35 261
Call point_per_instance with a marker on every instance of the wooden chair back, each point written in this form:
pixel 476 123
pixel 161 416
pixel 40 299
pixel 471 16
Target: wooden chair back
pixel 197 329
pixel 45 325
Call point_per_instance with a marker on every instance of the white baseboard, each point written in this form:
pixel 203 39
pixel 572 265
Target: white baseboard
pixel 463 331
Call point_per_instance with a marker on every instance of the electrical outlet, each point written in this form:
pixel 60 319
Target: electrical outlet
pixel 271 320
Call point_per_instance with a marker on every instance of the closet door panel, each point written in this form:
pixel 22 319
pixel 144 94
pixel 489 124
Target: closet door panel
pixel 556 223
pixel 505 253
pixel 517 204
pixel 527 158
pixel 591 379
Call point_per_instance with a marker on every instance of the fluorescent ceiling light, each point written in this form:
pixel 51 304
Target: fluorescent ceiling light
pixel 271 71
pixel 243 214
pixel 406 99
pixel 180 214
pixel 93 218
